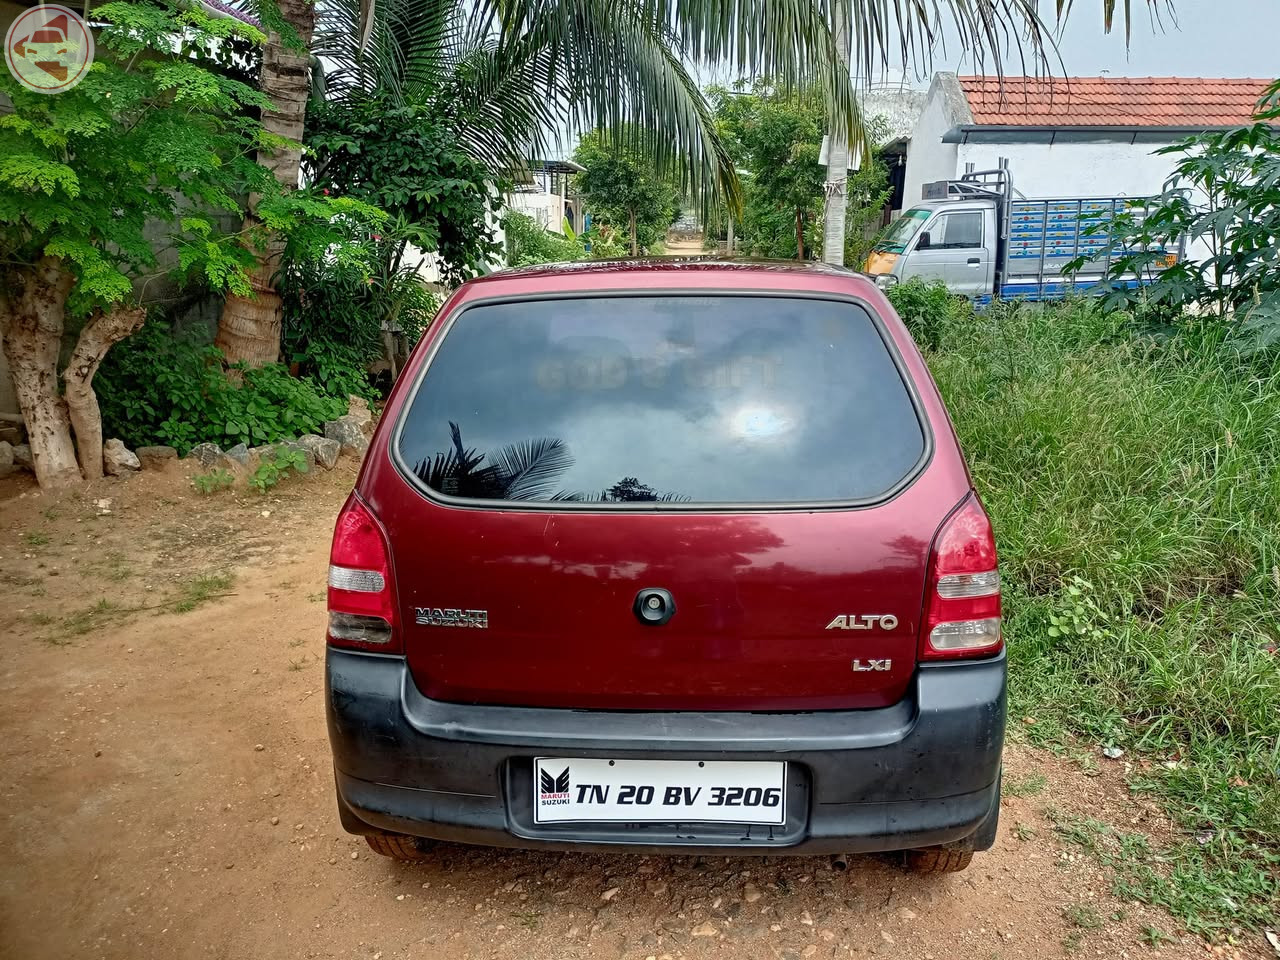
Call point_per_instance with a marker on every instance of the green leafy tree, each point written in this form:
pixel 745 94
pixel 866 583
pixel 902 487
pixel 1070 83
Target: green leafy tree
pixel 403 159
pixel 1224 198
pixel 151 140
pixel 624 188
pixel 775 136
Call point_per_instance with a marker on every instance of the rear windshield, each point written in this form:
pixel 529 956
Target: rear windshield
pixel 675 399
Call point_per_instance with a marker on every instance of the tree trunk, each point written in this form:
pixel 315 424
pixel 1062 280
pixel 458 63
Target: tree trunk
pixel 31 319
pixel 799 234
pixel 99 334
pixel 635 247
pixel 249 330
pixel 837 151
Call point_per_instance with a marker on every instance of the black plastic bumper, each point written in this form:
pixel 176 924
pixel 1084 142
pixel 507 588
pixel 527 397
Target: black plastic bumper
pixel 924 771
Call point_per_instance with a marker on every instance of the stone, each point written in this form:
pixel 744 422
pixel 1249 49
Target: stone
pixel 751 893
pixel 610 894
pixel 22 456
pixel 117 459
pixel 324 451
pixel 705 930
pixel 349 434
pixel 153 458
pixel 359 410
pixel 6 458
pixel 206 454
pixel 239 453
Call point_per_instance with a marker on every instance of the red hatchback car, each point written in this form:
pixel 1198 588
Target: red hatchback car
pixel 674 556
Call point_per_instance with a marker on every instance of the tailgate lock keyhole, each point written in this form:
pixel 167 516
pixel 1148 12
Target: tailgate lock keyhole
pixel 654 606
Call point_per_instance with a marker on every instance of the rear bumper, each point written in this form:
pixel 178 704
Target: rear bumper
pixel 922 772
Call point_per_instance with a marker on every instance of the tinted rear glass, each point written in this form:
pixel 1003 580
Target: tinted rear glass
pixel 718 399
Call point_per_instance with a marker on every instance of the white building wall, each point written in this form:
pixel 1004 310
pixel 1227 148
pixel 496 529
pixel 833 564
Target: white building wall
pixel 1074 169
pixel 928 158
pixel 544 209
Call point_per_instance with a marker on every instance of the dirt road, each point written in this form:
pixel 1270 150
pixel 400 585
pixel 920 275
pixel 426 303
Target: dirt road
pixel 167 785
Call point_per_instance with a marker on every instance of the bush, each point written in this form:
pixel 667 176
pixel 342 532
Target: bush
pixel 1134 485
pixel 528 243
pixel 156 388
pixel 924 308
pixel 337 310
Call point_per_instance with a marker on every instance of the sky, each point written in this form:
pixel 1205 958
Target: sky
pixel 1201 38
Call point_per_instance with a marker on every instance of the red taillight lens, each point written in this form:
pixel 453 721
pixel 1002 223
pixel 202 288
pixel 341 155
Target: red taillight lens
pixel 962 610
pixel 362 610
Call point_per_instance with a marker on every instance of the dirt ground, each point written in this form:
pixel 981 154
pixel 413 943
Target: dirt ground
pixel 167 785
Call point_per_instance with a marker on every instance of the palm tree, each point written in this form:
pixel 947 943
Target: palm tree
pixel 249 330
pixel 513 72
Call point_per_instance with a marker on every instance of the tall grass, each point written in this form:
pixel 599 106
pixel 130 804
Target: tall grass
pixel 1135 489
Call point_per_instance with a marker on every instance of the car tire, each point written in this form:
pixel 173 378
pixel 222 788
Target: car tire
pixel 938 860
pixel 399 846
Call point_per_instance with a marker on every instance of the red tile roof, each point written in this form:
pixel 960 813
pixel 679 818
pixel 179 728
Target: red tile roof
pixel 1112 101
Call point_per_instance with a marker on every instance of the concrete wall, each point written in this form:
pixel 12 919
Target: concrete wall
pixel 928 158
pixel 1074 169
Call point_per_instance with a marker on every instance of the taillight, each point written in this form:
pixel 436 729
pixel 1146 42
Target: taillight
pixel 362 612
pixel 962 610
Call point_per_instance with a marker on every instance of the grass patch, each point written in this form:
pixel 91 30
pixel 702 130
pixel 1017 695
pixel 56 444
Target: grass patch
pixel 35 539
pixel 1028 786
pixel 200 590
pixel 1082 915
pixel 1134 485
pixel 89 619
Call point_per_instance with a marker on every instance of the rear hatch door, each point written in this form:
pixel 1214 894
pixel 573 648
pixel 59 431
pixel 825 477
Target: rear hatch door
pixel 750 455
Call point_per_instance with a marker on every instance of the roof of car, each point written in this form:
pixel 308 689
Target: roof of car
pixel 667 265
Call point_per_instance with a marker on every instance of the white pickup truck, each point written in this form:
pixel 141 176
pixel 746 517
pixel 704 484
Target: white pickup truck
pixel 982 240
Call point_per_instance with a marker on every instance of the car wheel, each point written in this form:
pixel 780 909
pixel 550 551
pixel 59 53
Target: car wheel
pixel 399 846
pixel 938 860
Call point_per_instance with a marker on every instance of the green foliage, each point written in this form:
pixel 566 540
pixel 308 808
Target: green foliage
pixel 624 189
pixel 1150 471
pixel 146 138
pixel 335 312
pixel 276 467
pixel 1078 614
pixel 528 243
pixel 1225 194
pixel 924 307
pixel 213 481
pixel 775 135
pixel 403 159
pixel 157 388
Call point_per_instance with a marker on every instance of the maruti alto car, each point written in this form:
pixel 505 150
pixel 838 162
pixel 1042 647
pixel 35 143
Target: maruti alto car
pixel 667 556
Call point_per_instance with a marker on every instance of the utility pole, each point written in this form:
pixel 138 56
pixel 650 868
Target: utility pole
pixel 836 187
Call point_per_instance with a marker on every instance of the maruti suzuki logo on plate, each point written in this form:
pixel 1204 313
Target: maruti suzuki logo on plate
pixel 554 790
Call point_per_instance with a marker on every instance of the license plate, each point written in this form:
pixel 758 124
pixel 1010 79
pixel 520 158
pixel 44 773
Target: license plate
pixel 631 791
